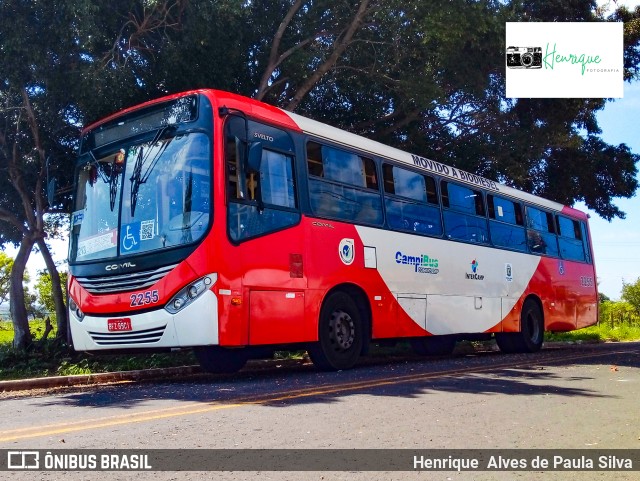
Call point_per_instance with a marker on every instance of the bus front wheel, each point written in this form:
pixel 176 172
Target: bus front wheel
pixel 531 334
pixel 216 359
pixel 340 334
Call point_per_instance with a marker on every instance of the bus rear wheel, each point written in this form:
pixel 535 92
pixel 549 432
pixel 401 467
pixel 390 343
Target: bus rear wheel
pixel 433 345
pixel 340 334
pixel 531 335
pixel 216 359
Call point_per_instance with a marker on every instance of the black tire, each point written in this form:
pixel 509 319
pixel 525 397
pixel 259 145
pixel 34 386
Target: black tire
pixel 216 359
pixel 505 341
pixel 531 335
pixel 340 334
pixel 433 345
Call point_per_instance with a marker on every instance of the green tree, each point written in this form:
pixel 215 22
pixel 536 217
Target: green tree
pixel 631 294
pixel 44 289
pixel 6 264
pixel 63 59
pixel 424 76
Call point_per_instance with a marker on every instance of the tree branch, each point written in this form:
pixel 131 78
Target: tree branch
pixel 274 59
pixel 339 47
pixel 35 131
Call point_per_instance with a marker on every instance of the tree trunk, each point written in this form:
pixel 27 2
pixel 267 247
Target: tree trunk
pixel 22 335
pixel 56 291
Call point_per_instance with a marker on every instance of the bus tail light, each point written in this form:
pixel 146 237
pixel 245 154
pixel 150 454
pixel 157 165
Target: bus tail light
pixel 190 293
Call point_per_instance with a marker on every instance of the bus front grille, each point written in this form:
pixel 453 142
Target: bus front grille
pixel 130 337
pixel 131 281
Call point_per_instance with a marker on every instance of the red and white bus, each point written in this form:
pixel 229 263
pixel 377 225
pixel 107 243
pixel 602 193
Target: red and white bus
pixel 213 221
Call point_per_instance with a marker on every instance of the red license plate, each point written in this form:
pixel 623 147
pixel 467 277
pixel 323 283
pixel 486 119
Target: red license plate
pixel 122 324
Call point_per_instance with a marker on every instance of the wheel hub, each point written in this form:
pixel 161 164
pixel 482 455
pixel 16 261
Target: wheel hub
pixel 343 330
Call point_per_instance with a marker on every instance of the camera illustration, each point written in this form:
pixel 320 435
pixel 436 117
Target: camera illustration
pixel 524 57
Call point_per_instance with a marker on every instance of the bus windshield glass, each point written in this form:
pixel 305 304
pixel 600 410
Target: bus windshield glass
pixel 142 197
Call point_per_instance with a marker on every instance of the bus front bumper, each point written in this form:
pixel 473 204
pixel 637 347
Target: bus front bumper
pixel 195 325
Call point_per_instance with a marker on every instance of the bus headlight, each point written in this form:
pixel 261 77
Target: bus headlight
pixel 75 309
pixel 190 293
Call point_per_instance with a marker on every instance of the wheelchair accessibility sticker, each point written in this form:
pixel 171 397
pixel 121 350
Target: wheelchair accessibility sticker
pixel 130 237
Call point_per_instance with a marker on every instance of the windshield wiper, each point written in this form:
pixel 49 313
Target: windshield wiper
pixel 110 178
pixel 137 177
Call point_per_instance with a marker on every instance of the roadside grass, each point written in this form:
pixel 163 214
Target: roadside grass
pixel 602 332
pixel 49 357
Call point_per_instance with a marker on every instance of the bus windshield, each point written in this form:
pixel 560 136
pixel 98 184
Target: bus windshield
pixel 142 197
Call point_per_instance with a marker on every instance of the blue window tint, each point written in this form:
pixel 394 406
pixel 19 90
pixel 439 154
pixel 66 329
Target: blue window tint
pixel 570 239
pixel 585 241
pixel 410 184
pixel 542 242
pixel 246 221
pixel 541 237
pixel 342 202
pixel 462 199
pixel 341 166
pixel 540 220
pixel 508 236
pixel 411 217
pixel 276 179
pixel 504 210
pixel 468 228
pixel 569 228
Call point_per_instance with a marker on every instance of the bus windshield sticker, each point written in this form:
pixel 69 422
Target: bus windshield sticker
pixel 78 217
pixel 100 242
pixel 130 237
pixel 346 251
pixel 146 230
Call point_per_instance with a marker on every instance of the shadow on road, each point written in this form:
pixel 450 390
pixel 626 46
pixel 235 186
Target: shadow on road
pixel 545 373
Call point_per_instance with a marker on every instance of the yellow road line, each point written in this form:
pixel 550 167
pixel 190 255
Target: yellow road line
pixel 200 408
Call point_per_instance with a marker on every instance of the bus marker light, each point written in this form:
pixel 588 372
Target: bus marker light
pixel 236 301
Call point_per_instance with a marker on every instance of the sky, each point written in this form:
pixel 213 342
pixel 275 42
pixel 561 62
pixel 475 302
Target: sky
pixel 616 244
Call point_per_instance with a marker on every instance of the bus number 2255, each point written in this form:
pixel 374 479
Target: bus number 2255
pixel 144 298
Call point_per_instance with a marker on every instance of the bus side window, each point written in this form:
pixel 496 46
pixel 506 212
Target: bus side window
pixel 261 201
pixel 411 201
pixel 464 216
pixel 506 223
pixel 570 239
pixel 541 238
pixel 585 242
pixel 343 185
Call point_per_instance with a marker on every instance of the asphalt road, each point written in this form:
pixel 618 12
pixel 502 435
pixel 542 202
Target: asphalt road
pixel 567 397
